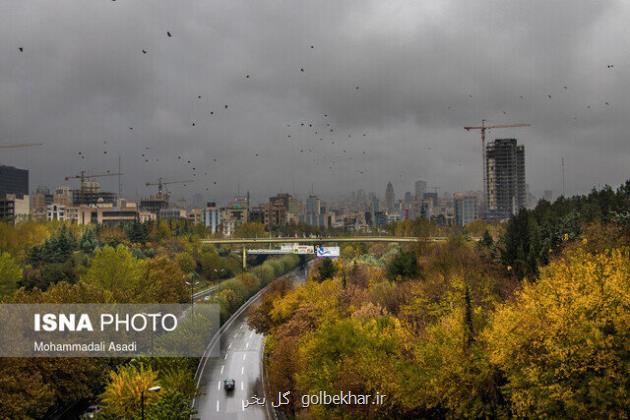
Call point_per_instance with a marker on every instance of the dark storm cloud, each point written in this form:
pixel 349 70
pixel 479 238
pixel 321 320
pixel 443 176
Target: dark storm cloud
pixel 409 75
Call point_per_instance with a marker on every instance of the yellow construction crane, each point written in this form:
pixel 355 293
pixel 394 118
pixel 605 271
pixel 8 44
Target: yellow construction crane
pixel 161 183
pixel 482 128
pixel 19 146
pixel 84 177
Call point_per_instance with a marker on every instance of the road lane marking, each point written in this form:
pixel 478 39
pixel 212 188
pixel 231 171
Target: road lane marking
pixel 242 387
pixel 250 334
pixel 219 386
pixel 230 346
pixel 226 355
pixel 218 405
pixel 243 370
pixel 241 327
pixel 244 356
pixel 222 367
pixel 247 345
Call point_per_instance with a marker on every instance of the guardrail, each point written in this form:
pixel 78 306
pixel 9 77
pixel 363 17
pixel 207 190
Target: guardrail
pixel 204 358
pixel 319 240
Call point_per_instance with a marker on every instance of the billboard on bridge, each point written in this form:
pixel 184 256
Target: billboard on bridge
pixel 327 252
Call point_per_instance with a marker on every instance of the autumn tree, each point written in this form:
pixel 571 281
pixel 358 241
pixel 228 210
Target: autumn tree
pixel 115 271
pixel 563 344
pixel 122 395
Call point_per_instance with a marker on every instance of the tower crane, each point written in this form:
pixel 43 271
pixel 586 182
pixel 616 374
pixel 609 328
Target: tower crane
pixel 84 177
pixel 482 129
pixel 161 183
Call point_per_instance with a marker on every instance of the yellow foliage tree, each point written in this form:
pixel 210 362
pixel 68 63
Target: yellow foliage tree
pixel 117 272
pixel 122 395
pixel 563 344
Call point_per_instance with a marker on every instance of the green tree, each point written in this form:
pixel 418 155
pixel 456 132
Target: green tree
pixel 172 406
pixel 403 265
pixel 88 242
pixel 10 274
pixel 326 269
pixel 186 262
pixel 250 230
pixel 137 232
pixel 116 271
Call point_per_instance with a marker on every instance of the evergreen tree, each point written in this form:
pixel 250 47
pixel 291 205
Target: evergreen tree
pixel 326 269
pixel 469 333
pixel 88 242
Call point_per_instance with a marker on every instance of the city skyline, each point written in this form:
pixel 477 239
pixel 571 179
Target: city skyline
pixel 397 83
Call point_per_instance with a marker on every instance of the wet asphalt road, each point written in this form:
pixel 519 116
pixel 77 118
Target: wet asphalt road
pixel 241 350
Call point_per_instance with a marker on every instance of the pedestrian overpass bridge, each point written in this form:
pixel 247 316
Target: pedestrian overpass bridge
pixel 322 239
pixel 245 242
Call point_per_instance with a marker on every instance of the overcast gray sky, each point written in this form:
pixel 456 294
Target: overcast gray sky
pixel 424 69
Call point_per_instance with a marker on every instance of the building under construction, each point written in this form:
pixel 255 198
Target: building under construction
pixel 90 194
pixel 505 178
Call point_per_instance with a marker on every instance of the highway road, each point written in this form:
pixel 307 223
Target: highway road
pixel 240 359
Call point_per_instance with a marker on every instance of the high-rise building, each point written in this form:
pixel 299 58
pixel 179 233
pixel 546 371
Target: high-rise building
pixel 420 189
pixel 210 217
pixel 313 210
pixel 466 208
pixel 13 181
pixel 278 210
pixel 390 197
pixel 432 196
pixel 505 182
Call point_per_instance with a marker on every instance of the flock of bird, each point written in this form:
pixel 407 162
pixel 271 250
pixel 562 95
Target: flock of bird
pixel 315 139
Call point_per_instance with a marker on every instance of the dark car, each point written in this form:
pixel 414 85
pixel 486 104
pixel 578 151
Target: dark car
pixel 229 385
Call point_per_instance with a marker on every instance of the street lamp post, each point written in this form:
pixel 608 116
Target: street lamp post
pixel 192 283
pixel 152 389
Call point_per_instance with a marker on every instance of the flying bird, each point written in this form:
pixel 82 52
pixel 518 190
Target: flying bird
pixel 610 66
pixel 144 51
pixel 21 49
pixel 302 70
pixel 226 107
pixel 169 34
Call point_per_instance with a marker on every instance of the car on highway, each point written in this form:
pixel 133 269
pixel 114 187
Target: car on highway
pixel 229 385
pixel 91 412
